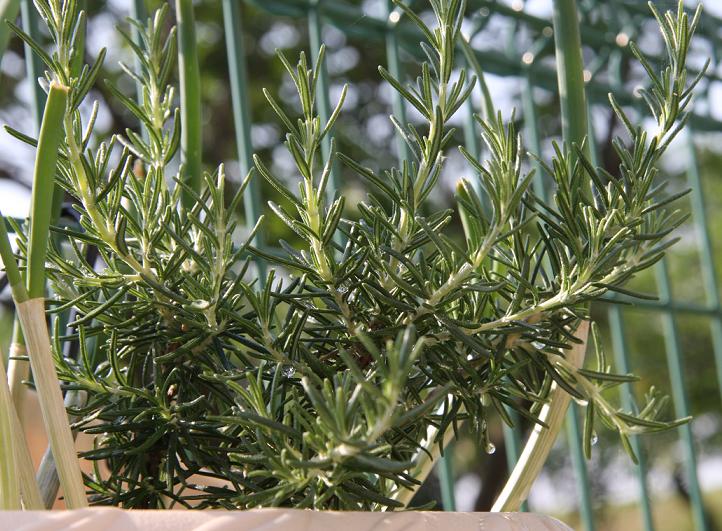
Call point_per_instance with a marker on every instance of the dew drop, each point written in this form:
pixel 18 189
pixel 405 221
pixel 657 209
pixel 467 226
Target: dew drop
pixel 595 438
pixel 288 372
pixel 343 288
pixel 490 448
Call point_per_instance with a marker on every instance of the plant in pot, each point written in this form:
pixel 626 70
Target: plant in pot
pixel 215 372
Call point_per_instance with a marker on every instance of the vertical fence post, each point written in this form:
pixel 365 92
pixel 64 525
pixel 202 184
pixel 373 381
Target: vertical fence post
pixel 709 273
pixel 679 394
pixel 232 21
pixel 394 66
pixel 190 95
pixel 138 12
pixel 324 104
pixel 33 64
pixel 621 360
pixel 574 434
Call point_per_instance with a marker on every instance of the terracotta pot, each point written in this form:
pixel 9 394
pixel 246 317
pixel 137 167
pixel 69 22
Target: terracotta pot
pixel 111 519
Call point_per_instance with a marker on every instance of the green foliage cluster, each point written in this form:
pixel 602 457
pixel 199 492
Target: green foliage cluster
pixel 324 384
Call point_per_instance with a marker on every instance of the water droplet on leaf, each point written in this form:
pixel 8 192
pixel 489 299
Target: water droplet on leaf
pixel 490 448
pixel 343 288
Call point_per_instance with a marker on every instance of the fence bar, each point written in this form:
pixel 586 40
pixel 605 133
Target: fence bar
pixel 658 305
pixel 574 437
pixel 621 360
pixel 394 66
pixel 512 442
pixel 709 274
pixel 531 132
pixel 33 64
pixel 138 12
pixel 232 22
pixel 324 105
pixel 445 470
pixel 679 394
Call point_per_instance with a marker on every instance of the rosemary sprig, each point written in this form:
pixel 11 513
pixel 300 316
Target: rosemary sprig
pixel 329 384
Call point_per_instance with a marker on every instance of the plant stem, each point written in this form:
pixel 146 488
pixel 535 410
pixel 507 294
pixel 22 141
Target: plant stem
pixel 466 270
pixel 570 72
pixel 323 102
pixel 41 207
pixel 15 455
pixel 29 490
pixel 138 12
pixel 106 230
pixel 44 209
pixel 9 482
pixel 542 438
pixel 426 461
pixel 18 370
pixel 30 303
pixel 21 454
pixel 8 11
pixel 32 317
pixel 190 93
pixel 241 115
pixel 47 476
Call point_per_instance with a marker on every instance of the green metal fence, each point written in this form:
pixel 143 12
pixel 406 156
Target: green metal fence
pixel 622 19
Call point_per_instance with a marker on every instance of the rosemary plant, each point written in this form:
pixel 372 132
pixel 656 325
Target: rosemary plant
pixel 333 382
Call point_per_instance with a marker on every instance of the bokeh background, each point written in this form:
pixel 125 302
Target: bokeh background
pixel 516 44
